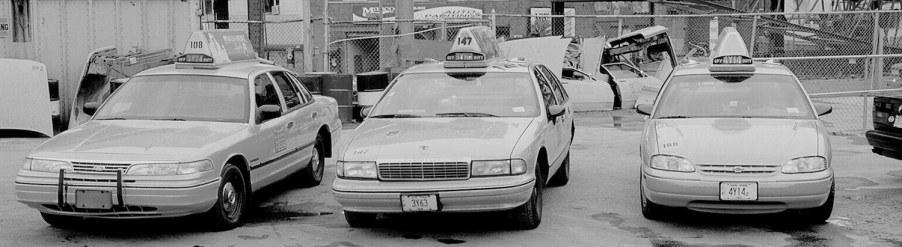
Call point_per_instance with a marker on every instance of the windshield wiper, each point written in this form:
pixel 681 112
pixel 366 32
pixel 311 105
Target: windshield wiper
pixel 395 116
pixel 674 117
pixel 112 118
pixel 465 114
pixel 170 119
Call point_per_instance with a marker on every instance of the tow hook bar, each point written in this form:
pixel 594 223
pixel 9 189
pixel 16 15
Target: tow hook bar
pixel 119 188
pixel 60 196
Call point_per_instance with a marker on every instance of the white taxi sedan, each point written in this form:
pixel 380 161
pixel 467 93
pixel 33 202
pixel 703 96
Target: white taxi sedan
pixel 195 137
pixel 471 134
pixel 737 137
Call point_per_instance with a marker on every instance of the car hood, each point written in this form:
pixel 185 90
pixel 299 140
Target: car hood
pixel 137 139
pixel 737 140
pixel 451 138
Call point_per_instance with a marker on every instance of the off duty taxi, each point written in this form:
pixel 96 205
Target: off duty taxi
pixel 735 136
pixel 194 137
pixel 473 133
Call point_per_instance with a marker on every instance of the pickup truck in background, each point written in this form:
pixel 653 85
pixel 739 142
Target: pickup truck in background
pixel 886 137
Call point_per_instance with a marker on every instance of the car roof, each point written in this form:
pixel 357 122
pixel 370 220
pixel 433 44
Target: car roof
pixel 241 70
pixel 760 68
pixel 494 65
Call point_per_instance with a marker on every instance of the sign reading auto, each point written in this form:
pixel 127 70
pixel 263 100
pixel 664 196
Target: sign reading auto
pixel 371 13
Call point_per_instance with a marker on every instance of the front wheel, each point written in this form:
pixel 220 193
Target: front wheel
pixel 231 202
pixel 59 221
pixel 650 210
pixel 821 213
pixel 313 174
pixel 356 219
pixel 529 215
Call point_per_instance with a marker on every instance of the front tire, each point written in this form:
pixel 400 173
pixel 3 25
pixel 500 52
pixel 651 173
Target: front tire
pixel 59 221
pixel 313 174
pixel 821 213
pixel 650 210
pixel 231 201
pixel 529 215
pixel 356 220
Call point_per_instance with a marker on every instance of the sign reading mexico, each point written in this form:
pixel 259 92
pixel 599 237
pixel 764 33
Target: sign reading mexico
pixel 217 47
pixel 371 13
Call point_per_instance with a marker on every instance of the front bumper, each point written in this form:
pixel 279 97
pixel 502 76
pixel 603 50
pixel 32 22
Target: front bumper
pixel 704 194
pixel 139 199
pixel 385 197
pixel 884 140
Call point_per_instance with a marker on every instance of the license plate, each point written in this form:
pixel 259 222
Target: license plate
pixel 898 121
pixel 738 191
pixel 419 203
pixel 93 199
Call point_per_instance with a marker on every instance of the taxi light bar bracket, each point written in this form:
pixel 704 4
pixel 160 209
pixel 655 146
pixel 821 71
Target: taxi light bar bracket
pixel 60 196
pixel 119 188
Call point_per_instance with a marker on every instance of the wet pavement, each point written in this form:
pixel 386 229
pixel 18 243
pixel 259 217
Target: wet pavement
pixel 600 207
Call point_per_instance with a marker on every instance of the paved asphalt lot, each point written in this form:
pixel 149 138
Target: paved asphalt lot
pixel 600 207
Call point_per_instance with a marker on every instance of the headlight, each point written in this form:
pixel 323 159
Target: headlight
pixel 356 169
pixel 805 164
pixel 163 169
pixel 46 165
pixel 671 163
pixel 498 167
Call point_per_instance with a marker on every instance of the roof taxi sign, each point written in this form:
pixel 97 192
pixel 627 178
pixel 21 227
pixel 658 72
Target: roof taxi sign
pixel 217 47
pixel 471 47
pixel 731 54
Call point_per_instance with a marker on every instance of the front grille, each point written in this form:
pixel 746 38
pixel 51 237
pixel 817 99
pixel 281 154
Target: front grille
pixel 739 169
pixel 102 168
pixel 424 171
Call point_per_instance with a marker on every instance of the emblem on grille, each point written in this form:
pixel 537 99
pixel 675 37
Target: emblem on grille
pixel 738 169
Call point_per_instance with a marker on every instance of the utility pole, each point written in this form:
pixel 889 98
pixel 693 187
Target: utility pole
pixel 305 31
pixel 255 30
pixel 404 11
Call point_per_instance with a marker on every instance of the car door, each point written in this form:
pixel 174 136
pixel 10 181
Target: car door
pixel 564 124
pixel 269 137
pixel 302 116
pixel 586 92
pixel 630 81
pixel 549 129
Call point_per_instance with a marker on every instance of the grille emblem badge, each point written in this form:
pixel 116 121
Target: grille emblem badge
pixel 738 169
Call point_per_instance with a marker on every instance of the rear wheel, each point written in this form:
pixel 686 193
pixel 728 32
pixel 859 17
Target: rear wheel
pixel 650 210
pixel 356 219
pixel 231 202
pixel 562 176
pixel 59 221
pixel 529 215
pixel 822 213
pixel 313 174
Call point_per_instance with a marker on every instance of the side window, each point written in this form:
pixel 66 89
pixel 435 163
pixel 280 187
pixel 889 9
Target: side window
pixel 305 93
pixel 289 89
pixel 264 94
pixel 623 71
pixel 547 92
pixel 555 85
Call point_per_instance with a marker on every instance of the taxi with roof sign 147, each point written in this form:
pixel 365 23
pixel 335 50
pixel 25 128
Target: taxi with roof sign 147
pixel 735 136
pixel 195 137
pixel 473 133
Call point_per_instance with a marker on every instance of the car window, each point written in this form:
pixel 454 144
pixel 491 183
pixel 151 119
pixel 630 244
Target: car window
pixel 744 96
pixel 290 91
pixel 559 91
pixel 547 92
pixel 580 76
pixel 305 93
pixel 622 71
pixel 179 97
pixel 459 94
pixel 264 94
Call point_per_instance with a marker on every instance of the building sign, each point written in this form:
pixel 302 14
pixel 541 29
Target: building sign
pixel 4 27
pixel 421 12
pixel 541 26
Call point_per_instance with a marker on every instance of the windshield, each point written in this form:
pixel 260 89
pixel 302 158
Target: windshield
pixel 179 98
pixel 753 96
pixel 498 94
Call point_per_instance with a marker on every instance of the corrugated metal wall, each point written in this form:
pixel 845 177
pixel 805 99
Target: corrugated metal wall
pixel 66 31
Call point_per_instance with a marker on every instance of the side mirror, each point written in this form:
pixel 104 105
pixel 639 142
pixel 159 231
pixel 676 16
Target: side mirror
pixel 644 109
pixel 823 109
pixel 555 111
pixel 365 111
pixel 90 108
pixel 268 112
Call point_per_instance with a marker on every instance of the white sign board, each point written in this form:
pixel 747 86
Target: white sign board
pixel 365 13
pixel 542 25
pixel 5 27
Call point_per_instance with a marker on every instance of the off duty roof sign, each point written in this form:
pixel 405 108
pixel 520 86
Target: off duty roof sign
pixel 217 47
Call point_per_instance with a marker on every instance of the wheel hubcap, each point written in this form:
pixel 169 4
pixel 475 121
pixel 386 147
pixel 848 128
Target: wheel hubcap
pixel 230 198
pixel 317 166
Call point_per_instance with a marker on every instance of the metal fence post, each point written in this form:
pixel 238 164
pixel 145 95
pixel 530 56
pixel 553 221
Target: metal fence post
pixel 326 36
pixel 875 73
pixel 754 35
pixel 492 22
